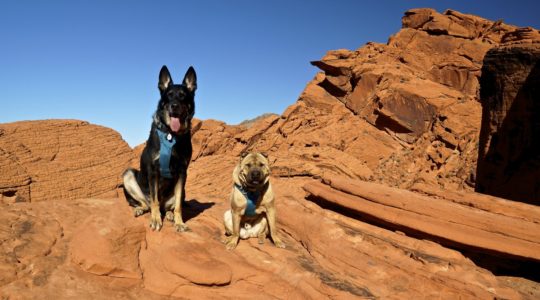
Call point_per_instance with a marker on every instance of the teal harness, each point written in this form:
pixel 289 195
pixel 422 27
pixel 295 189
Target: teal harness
pixel 251 198
pixel 166 143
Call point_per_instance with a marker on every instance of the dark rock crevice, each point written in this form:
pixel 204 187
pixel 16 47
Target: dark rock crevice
pixel 509 155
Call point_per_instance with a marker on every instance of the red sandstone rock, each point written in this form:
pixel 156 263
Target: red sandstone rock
pixel 483 202
pixel 15 181
pixel 453 223
pixel 327 255
pixel 400 113
pixel 60 159
pixel 37 238
pixel 108 243
pixel 522 35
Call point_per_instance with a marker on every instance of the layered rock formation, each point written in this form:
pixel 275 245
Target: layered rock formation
pixel 509 156
pixel 402 113
pixel 59 159
pixel 473 225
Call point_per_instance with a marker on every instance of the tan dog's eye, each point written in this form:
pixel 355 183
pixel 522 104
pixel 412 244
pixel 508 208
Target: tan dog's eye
pixel 248 165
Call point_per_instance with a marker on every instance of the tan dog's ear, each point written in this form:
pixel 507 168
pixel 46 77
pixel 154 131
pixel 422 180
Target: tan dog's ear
pixel 265 154
pixel 243 155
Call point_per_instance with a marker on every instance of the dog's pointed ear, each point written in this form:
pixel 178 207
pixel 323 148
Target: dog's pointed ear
pixel 190 80
pixel 265 154
pixel 165 79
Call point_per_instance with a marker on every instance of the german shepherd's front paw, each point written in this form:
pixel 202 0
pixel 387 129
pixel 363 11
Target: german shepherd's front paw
pixel 179 223
pixel 231 242
pixel 169 215
pixel 139 211
pixel 155 221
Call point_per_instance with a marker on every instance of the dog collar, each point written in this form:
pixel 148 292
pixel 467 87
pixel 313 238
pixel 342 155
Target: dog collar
pixel 251 198
pixel 166 142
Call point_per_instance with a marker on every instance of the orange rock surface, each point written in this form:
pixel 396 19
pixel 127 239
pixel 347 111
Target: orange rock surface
pixel 59 159
pixel 448 222
pixel 88 247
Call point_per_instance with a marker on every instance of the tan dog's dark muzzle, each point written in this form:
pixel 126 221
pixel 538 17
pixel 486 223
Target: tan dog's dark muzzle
pixel 255 177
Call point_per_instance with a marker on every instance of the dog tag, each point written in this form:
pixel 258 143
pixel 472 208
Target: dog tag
pixel 169 137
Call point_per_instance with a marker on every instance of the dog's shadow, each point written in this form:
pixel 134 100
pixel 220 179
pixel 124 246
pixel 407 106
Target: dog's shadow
pixel 193 208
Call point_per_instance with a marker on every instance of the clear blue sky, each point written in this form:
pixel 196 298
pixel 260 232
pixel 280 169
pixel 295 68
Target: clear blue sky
pixel 99 60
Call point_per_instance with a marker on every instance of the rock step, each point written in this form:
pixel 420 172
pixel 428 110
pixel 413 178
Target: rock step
pixel 445 221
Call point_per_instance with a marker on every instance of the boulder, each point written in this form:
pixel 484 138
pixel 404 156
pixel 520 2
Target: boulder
pixel 60 159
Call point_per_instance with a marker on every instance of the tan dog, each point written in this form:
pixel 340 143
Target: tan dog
pixel 253 211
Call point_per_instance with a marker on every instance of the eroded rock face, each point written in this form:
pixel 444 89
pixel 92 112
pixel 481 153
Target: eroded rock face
pixel 402 113
pixel 509 156
pixel 59 159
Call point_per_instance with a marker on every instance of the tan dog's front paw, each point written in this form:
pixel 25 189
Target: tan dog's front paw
pixel 155 221
pixel 278 243
pixel 260 210
pixel 231 242
pixel 181 227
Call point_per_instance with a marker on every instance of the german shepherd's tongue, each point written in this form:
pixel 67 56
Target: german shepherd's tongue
pixel 175 124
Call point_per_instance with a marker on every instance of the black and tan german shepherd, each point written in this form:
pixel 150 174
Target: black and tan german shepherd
pixel 159 186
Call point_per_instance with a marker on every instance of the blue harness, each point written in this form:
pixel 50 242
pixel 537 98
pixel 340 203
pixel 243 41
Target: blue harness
pixel 166 142
pixel 251 198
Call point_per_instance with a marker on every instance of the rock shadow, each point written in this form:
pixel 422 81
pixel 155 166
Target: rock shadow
pixel 509 151
pixel 193 208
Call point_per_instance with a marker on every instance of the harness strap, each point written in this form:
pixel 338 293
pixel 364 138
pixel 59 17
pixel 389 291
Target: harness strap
pixel 166 142
pixel 251 198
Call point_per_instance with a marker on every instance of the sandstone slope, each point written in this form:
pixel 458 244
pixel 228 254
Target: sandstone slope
pixel 88 248
pixel 59 159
